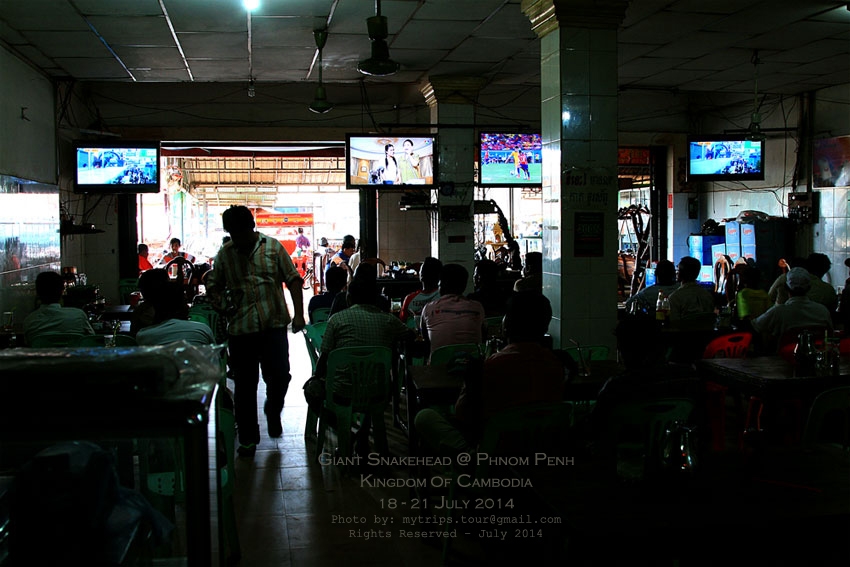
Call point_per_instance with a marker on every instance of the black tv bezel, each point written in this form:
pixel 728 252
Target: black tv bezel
pixel 698 177
pixel 396 139
pixel 117 188
pixel 482 183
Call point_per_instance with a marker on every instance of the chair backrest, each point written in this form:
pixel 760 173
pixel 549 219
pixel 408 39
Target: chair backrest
pixel 595 352
pixel 493 326
pixel 205 313
pixel 831 409
pixel 320 315
pixel 99 341
pixel 49 340
pixel 644 422
pixel 445 354
pixel 528 429
pixel 126 286
pixel 314 333
pixel 359 377
pixel 734 345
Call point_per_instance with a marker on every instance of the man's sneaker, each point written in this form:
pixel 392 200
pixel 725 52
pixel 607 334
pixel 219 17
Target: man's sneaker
pixel 275 427
pixel 247 451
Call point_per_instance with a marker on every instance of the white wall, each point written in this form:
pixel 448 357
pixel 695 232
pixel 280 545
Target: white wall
pixel 27 122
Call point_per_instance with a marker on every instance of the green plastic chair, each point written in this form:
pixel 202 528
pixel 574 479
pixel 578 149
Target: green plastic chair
pixel 320 315
pixel 52 340
pixel 204 313
pixel 639 427
pixel 834 400
pixel 126 286
pixel 494 327
pixel 516 432
pixel 597 352
pixel 357 382
pixel 313 334
pixel 99 341
pixel 445 354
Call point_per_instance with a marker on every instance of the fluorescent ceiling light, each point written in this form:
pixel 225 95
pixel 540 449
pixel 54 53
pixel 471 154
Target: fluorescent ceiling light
pixel 251 5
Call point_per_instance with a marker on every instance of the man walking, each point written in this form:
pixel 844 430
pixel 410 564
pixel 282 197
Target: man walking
pixel 247 284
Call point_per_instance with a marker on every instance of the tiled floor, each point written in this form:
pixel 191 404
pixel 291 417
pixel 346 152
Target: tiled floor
pixel 286 501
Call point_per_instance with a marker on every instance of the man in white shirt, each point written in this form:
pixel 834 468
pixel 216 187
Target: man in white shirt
pixel 51 317
pixel 690 299
pixel 798 312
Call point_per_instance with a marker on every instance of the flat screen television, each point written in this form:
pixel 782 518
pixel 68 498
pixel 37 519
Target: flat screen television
pixel 725 158
pixel 510 159
pixel 390 161
pixel 114 167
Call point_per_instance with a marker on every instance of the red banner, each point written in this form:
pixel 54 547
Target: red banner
pixel 267 220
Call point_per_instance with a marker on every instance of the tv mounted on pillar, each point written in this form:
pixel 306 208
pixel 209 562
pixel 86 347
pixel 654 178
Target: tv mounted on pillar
pixel 510 159
pixel 391 161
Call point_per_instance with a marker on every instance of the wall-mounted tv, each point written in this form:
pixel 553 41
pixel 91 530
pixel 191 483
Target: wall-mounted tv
pixel 390 161
pixel 114 167
pixel 510 159
pixel 725 158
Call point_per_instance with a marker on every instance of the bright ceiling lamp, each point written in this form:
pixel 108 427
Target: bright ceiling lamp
pixel 251 5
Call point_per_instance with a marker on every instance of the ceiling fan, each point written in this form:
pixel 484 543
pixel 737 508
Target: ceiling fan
pixel 320 103
pixel 755 133
pixel 379 64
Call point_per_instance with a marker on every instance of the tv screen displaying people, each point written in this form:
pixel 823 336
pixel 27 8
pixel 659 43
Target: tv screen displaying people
pixel 390 160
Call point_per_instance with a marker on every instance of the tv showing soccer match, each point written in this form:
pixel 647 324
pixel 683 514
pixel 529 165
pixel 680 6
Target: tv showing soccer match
pixel 510 159
pixel 110 167
pixel 725 158
pixel 390 161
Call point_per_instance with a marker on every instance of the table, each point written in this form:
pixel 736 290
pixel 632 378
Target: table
pixel 120 397
pixel 120 312
pixel 769 376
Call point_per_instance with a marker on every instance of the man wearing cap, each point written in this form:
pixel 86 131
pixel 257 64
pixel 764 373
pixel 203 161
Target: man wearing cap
pixel 799 311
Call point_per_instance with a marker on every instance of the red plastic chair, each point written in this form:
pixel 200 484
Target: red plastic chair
pixel 735 345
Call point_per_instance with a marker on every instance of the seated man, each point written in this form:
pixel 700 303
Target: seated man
pixel 51 317
pixel 144 313
pixel 361 324
pixel 504 382
pixel 691 298
pixel 487 293
pixel 532 274
pixel 453 319
pixel 335 280
pixel 665 281
pixel 170 322
pixel 798 312
pixel 821 292
pixel 429 276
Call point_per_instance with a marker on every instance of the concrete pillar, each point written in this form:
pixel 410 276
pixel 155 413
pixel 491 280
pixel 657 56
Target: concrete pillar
pixel 451 100
pixel 578 115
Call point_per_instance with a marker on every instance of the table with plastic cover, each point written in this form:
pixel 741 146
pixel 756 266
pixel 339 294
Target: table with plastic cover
pixel 92 394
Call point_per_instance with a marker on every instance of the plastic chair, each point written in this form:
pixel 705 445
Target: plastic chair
pixel 444 355
pixel 357 382
pixel 517 432
pixel 494 327
pixel 639 427
pixel 320 315
pixel 597 352
pixel 126 286
pixel 99 341
pixel 834 400
pixel 313 340
pixel 49 340
pixel 205 313
pixel 734 345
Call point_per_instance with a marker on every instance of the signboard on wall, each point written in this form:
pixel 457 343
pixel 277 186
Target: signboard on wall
pixel 588 238
pixel 274 220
